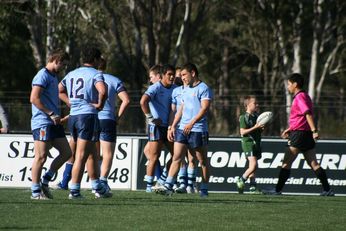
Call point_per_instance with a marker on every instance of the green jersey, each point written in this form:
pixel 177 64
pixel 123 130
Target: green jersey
pixel 251 142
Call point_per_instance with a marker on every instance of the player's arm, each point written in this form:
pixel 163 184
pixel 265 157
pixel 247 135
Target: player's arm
pixel 102 95
pixel 4 121
pixel 125 102
pixel 64 119
pixel 63 95
pixel 146 110
pixel 170 132
pixel 245 131
pixel 285 133
pixel 177 116
pixel 205 104
pixel 172 128
pixel 35 99
pixel 144 102
pixel 310 120
pixel 172 113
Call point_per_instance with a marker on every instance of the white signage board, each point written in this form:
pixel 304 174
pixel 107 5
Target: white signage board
pixel 17 153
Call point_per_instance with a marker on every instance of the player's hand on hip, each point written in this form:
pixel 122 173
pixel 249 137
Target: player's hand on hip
pixel 98 106
pixel 157 122
pixel 56 119
pixel 64 119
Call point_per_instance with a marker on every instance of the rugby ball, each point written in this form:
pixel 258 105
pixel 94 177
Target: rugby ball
pixel 265 118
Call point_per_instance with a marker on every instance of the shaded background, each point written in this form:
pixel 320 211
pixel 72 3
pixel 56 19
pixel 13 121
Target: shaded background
pixel 240 47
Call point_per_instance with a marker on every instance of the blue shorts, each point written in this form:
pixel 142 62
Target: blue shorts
pixel 49 132
pixel 84 126
pixel 156 133
pixel 108 130
pixel 193 139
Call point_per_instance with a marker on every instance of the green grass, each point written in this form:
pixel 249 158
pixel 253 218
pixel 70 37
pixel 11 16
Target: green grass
pixel 129 210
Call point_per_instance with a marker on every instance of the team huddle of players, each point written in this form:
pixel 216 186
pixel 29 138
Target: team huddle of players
pixel 176 108
pixel 177 118
pixel 91 96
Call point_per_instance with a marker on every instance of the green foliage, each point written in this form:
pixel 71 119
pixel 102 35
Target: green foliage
pixel 16 64
pixel 240 47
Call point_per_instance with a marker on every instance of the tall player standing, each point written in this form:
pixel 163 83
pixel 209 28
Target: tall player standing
pixel 84 90
pixel 187 173
pixel 156 104
pixel 154 77
pixel 45 124
pixel 108 118
pixel 192 132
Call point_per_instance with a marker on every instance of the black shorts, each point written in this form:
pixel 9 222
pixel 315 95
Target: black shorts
pixel 303 140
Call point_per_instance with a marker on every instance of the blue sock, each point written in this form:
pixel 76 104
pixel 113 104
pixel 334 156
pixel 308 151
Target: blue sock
pixel 75 189
pixel 163 176
pixel 150 181
pixel 47 177
pixel 97 186
pixel 169 182
pixel 191 176
pixel 182 176
pixel 66 175
pixel 103 179
pixel 35 189
pixel 204 186
pixel 158 170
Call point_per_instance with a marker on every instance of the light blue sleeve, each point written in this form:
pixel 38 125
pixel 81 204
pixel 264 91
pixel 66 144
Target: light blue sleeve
pixel 41 79
pixel 99 78
pixel 174 96
pixel 152 90
pixel 206 93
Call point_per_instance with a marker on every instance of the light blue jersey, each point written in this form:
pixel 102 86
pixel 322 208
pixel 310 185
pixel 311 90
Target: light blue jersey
pixel 49 98
pixel 160 101
pixel 192 98
pixel 81 90
pixel 114 87
pixel 177 96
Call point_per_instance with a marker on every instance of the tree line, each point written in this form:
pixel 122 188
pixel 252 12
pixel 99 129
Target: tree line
pixel 241 47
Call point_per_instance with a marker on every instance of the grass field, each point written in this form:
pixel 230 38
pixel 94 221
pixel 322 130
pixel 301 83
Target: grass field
pixel 129 210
